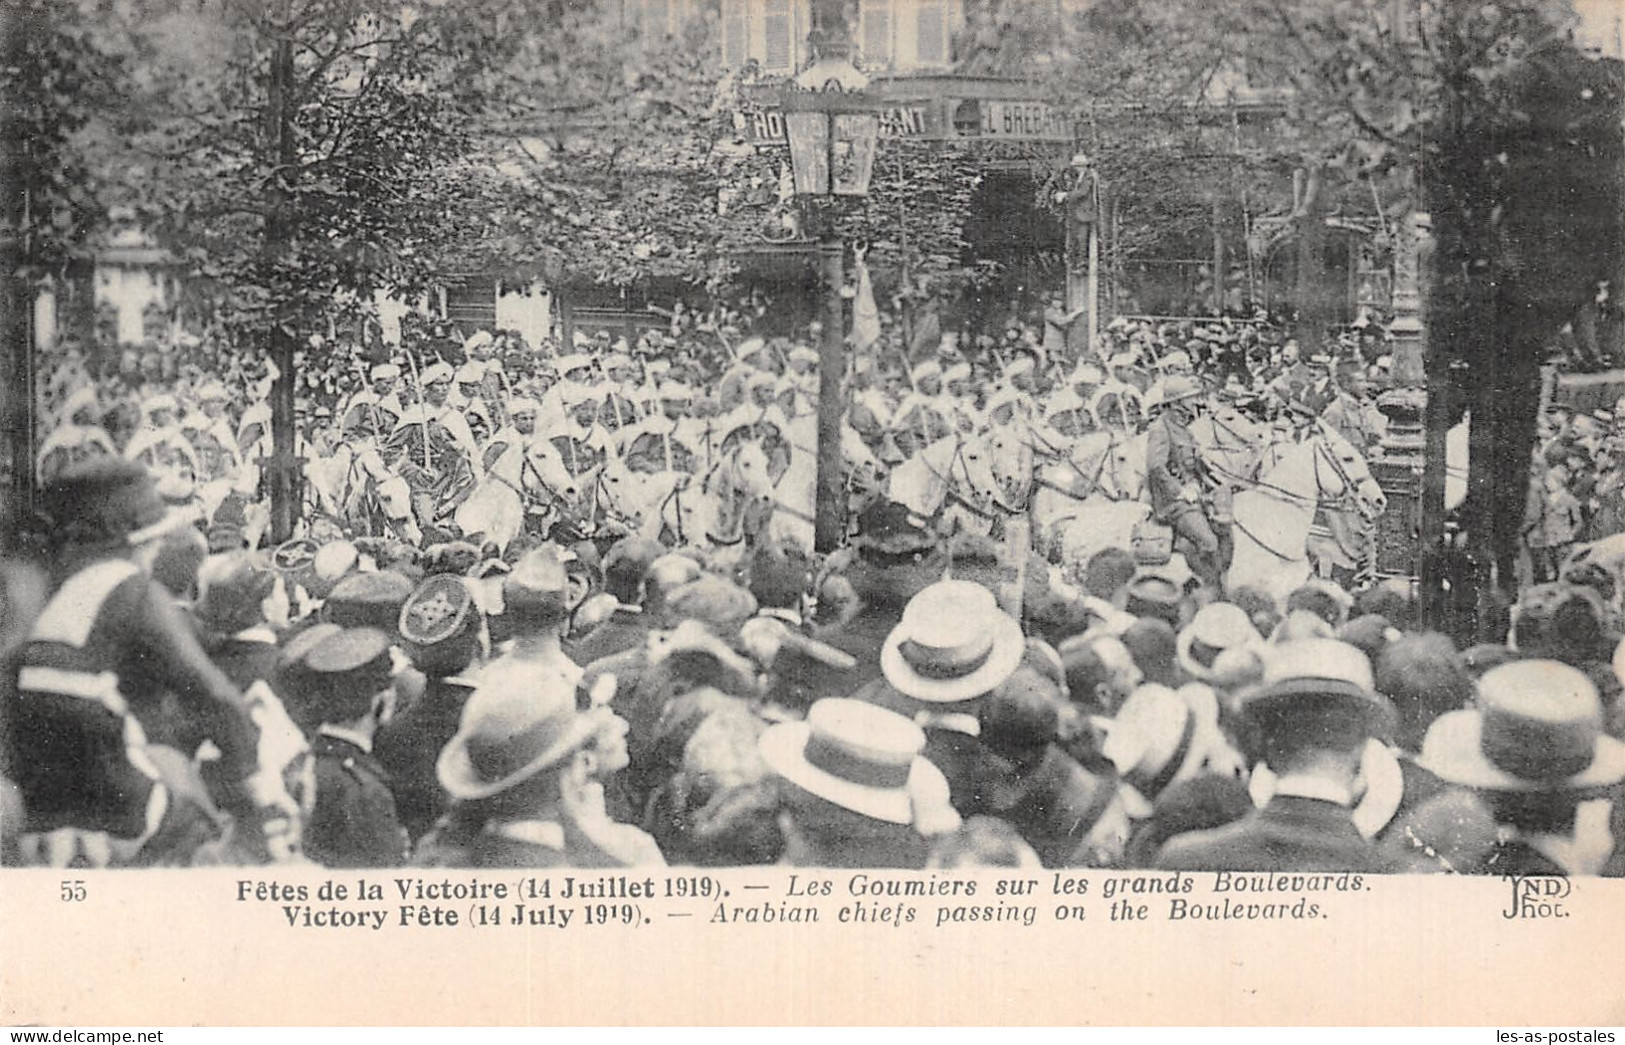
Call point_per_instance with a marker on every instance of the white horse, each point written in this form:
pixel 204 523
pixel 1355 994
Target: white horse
pixel 726 510
pixel 497 507
pixel 795 494
pixel 1091 498
pixel 1272 517
pixel 950 480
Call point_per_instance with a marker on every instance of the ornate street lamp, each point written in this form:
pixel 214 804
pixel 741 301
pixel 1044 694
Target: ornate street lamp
pixel 832 126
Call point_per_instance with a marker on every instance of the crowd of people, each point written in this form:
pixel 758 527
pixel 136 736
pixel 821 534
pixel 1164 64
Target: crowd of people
pixel 394 686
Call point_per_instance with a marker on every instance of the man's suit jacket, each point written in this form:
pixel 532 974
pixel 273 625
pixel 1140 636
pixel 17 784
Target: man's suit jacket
pixel 1288 834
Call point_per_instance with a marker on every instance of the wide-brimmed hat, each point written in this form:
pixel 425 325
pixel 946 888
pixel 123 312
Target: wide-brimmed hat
pixel 1306 672
pixel 1537 727
pixel 506 737
pixel 1217 627
pixel 720 605
pixel 1179 387
pixel 1153 595
pixel 860 757
pixel 953 644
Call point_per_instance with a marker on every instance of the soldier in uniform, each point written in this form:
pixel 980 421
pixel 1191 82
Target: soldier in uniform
pixel 443 630
pixel 353 821
pixel 438 407
pixel 1175 476
pixel 375 410
pixel 1351 414
pixel 97 661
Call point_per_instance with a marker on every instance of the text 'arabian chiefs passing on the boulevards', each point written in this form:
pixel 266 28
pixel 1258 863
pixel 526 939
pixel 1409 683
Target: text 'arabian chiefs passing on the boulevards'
pixel 576 901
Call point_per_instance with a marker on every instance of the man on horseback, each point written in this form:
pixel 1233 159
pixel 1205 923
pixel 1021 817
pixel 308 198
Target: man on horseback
pixel 1351 414
pixel 1176 477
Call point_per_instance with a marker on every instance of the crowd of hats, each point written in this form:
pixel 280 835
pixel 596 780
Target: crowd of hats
pixel 1144 693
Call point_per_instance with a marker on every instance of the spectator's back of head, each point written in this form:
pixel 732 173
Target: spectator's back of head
pixel 1562 622
pixel 1108 573
pixel 1260 608
pixel 1325 601
pixel 1154 645
pixel 1424 677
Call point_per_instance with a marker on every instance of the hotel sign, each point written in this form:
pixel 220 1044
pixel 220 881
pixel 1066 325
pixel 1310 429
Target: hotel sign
pixel 944 116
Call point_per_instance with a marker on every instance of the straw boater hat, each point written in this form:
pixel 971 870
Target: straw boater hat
pixel 1537 727
pixel 860 757
pixel 506 737
pixel 1217 627
pixel 1160 735
pixel 953 644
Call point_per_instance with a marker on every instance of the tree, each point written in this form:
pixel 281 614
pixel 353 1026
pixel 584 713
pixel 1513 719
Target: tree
pixel 291 157
pixel 55 73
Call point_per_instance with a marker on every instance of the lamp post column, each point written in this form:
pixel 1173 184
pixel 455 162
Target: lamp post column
pixel 829 513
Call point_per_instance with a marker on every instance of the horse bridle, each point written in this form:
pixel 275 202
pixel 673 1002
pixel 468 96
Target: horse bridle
pixel 529 466
pixel 1350 498
pixel 950 493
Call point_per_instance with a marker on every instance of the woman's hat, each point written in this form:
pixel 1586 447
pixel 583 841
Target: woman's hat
pixel 506 737
pixel 1537 727
pixel 1217 627
pixel 953 644
pixel 860 757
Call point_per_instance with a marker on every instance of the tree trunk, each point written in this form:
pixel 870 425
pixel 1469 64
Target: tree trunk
pixel 16 348
pixel 284 471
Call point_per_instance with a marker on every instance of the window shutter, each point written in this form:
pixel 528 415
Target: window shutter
pixel 778 54
pixel 931 20
pixel 875 19
pixel 735 43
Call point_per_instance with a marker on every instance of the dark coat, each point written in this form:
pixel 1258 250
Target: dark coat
pixel 970 767
pixel 799 681
pixel 1288 834
pixel 353 822
pixel 1171 461
pixel 624 630
pixel 1054 804
pixel 408 747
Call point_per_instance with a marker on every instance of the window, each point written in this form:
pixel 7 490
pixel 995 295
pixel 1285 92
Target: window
pixel 874 34
pixel 778 36
pixel 472 305
pixel 735 33
pixel 931 19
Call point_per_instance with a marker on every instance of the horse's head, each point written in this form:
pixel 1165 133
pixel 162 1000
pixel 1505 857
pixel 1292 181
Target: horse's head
pixel 743 484
pixel 1011 459
pixel 546 478
pixel 1349 475
pixel 615 492
pixel 972 474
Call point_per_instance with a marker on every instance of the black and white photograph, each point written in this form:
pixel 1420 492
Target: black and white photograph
pixel 660 437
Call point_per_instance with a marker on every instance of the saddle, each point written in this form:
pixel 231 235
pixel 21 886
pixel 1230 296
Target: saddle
pixel 1152 543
